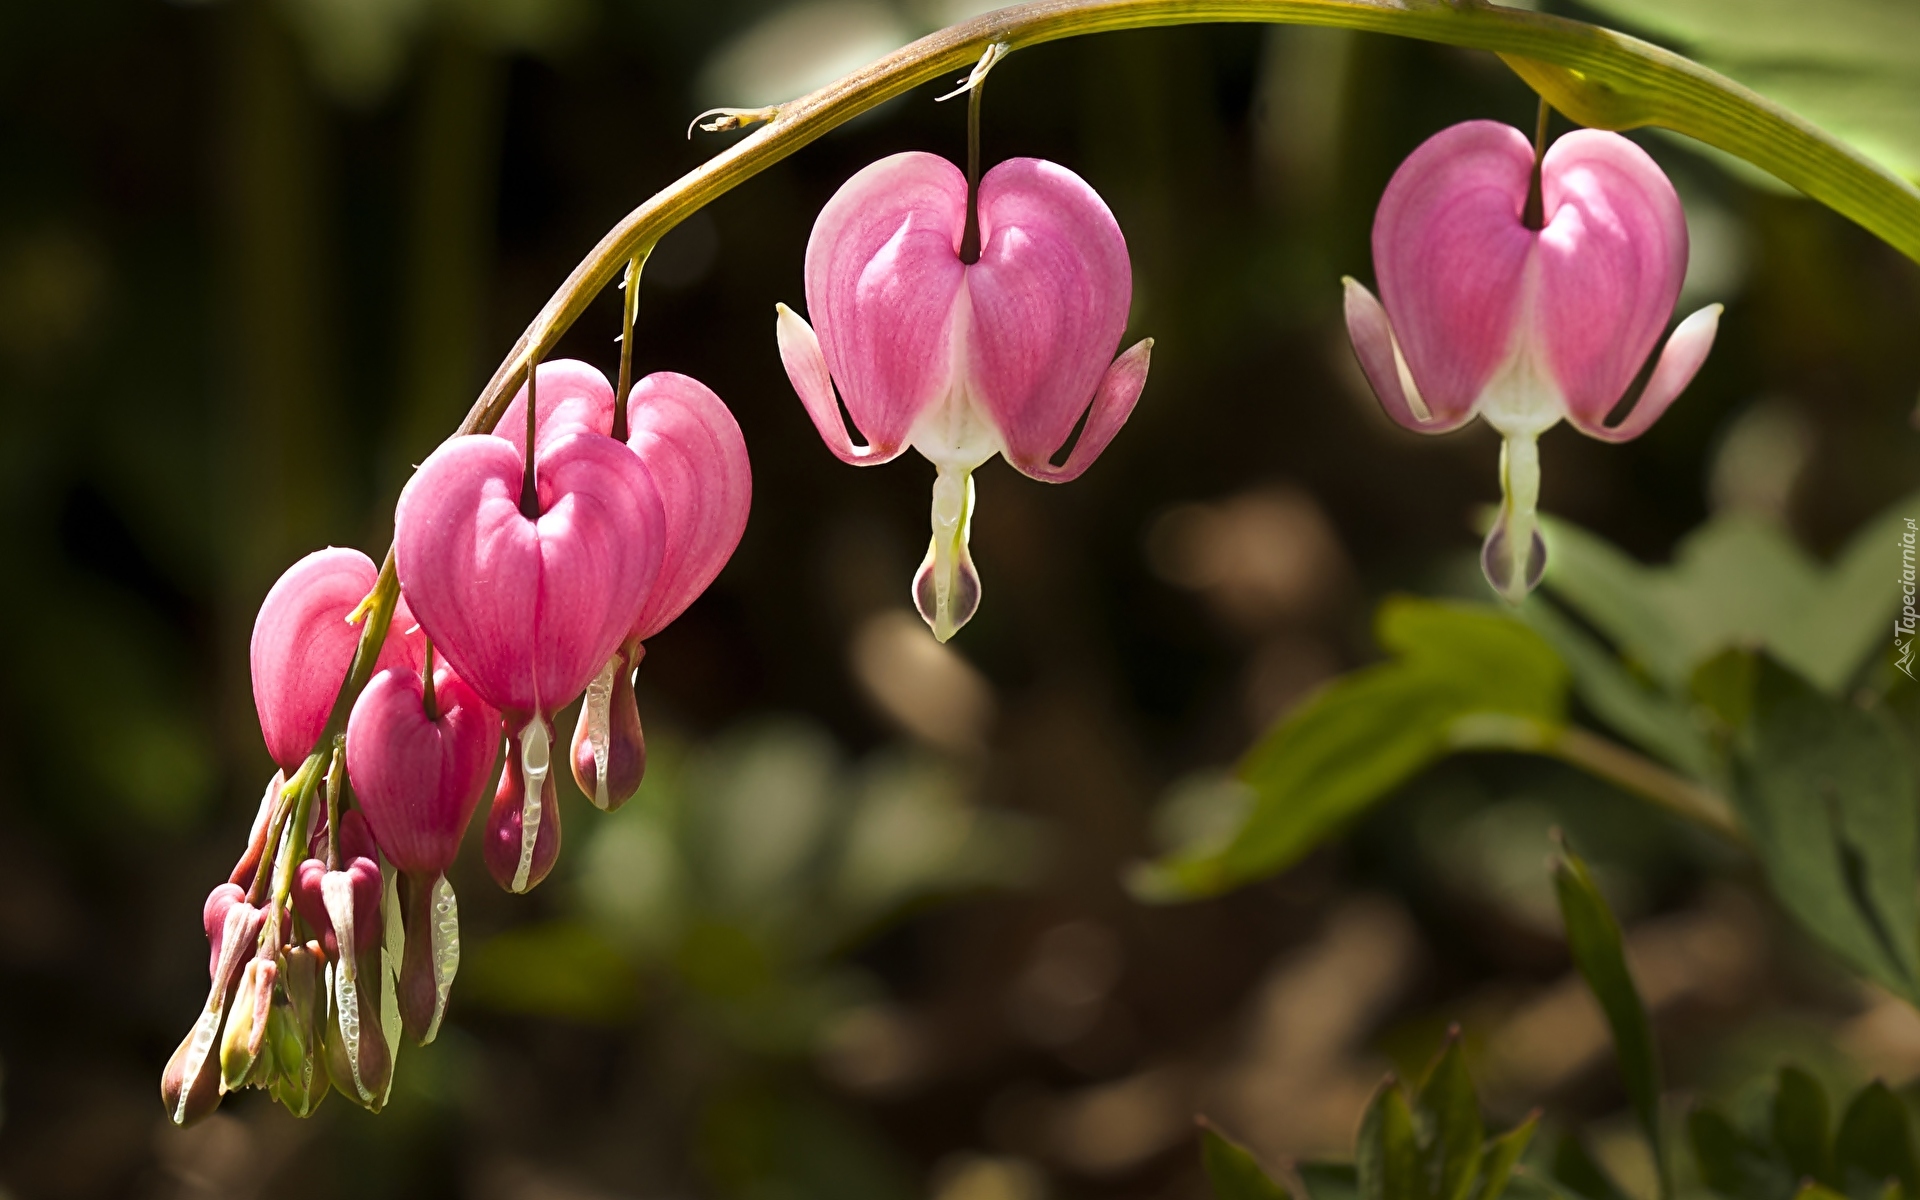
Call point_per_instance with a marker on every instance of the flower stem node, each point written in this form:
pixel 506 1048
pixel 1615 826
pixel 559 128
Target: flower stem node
pixel 1484 313
pixel 963 360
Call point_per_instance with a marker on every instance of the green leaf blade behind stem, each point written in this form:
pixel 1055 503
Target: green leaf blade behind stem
pixel 1364 735
pixel 1233 1172
pixel 1829 793
pixel 1593 937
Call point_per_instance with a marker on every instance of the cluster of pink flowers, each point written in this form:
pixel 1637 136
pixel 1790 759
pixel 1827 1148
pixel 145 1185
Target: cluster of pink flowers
pixel 338 929
pixel 962 321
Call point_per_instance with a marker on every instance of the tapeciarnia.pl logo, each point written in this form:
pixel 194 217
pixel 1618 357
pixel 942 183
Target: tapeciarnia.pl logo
pixel 1905 625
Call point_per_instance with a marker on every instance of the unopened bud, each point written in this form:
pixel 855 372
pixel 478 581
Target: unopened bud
pixel 296 1031
pixel 246 1032
pixel 609 750
pixel 190 1086
pixel 523 827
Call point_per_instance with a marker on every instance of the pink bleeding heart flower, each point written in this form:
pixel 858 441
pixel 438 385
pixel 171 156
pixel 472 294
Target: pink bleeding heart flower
pixel 964 360
pixel 342 905
pixel 303 646
pixel 695 455
pixel 419 762
pixel 528 605
pixel 1524 318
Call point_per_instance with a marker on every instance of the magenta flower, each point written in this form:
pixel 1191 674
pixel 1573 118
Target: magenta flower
pixel 1485 312
pixel 694 453
pixel 419 762
pixel 303 646
pixel 964 360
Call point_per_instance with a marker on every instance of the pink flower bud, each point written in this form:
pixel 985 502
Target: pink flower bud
pixel 190 1085
pixel 523 827
pixel 419 776
pixel 303 646
pixel 246 1031
pixel 962 360
pixel 343 907
pixel 609 753
pixel 1481 314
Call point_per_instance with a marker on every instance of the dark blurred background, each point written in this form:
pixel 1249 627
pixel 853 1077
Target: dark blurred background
pixel 865 933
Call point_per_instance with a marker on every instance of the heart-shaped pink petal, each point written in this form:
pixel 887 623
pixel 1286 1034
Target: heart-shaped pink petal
pixel 883 273
pixel 572 397
pixel 1450 249
pixel 692 448
pixel 1049 297
pixel 419 778
pixel 527 611
pixel 303 646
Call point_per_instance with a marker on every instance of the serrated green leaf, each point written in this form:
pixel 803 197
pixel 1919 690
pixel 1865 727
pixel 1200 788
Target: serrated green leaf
pixel 1234 1173
pixel 1593 937
pixel 1388 1155
pixel 1803 1126
pixel 1574 1170
pixel 1365 734
pixel 1501 1155
pixel 1732 1164
pixel 1447 1114
pixel 1875 1145
pixel 1829 793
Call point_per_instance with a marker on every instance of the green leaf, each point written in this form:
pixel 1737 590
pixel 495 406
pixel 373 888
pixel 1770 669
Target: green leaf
pixel 1803 1126
pixel 1829 793
pixel 1365 734
pixel 1234 1173
pixel 1329 1181
pixel 1732 1164
pixel 1573 1168
pixel 1735 581
pixel 1388 1154
pixel 1447 1113
pixel 1875 1145
pixel 1646 715
pixel 1500 1156
pixel 1593 937
pixel 1852 66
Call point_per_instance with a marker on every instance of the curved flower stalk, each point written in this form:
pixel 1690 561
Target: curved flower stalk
pixel 694 453
pixel 1525 297
pixel 528 591
pixel 965 360
pixel 420 751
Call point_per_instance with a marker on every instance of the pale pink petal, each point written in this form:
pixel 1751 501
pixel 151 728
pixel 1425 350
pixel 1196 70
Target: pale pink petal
pixel 1049 302
pixel 419 780
pixel 572 396
pixel 807 369
pixel 1373 344
pixel 692 448
pixel 302 647
pixel 1612 257
pixel 1112 404
pixel 1450 251
pixel 1678 364
pixel 882 273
